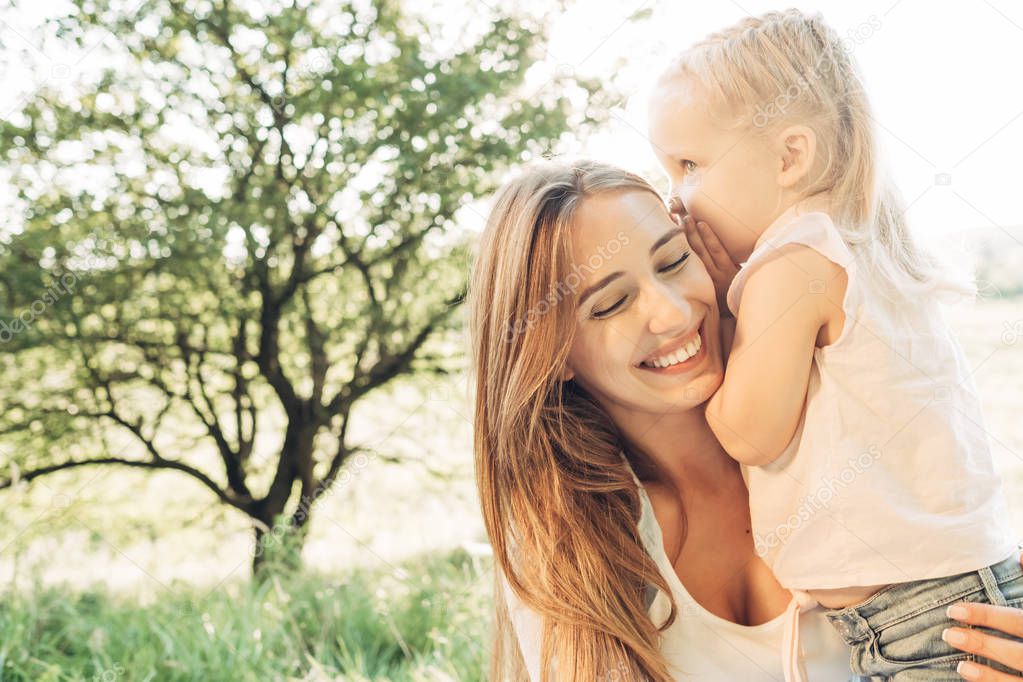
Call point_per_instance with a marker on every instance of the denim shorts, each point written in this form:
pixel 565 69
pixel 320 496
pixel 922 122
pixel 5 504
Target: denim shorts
pixel 895 634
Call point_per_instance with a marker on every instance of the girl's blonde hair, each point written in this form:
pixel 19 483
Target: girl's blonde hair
pixel 783 67
pixel 559 503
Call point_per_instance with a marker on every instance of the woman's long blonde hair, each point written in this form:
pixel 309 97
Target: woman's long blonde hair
pixel 559 503
pixel 769 71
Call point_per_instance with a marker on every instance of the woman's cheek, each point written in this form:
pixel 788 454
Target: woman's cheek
pixel 601 347
pixel 703 276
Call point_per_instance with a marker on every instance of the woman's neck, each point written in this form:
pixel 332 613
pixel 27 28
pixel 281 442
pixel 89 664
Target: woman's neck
pixel 681 446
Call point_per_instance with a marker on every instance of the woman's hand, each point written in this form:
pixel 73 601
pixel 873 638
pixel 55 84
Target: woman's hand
pixel 710 250
pixel 1008 653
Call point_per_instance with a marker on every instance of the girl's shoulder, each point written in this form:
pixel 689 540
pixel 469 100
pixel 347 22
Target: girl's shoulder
pixel 810 257
pixel 814 228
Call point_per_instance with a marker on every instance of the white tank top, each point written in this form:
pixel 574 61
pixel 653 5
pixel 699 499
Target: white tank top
pixel 889 476
pixel 700 645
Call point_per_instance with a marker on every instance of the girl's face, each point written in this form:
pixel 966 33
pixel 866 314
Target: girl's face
pixel 644 299
pixel 726 177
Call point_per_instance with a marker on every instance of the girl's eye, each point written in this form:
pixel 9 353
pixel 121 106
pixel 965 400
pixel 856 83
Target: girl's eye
pixel 607 311
pixel 676 264
pixel 690 166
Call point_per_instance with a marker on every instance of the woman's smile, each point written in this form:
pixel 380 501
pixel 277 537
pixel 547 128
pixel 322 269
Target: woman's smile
pixel 691 354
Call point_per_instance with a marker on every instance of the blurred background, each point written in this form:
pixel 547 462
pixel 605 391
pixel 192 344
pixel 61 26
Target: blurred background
pixel 235 431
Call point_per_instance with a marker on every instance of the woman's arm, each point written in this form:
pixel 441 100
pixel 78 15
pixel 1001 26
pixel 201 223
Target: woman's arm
pixel 1008 653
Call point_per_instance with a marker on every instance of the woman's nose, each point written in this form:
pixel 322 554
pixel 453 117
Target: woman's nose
pixel 669 315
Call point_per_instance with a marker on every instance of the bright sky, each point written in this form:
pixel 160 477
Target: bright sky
pixel 944 79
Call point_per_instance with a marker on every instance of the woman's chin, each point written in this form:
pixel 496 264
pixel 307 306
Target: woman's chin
pixel 697 390
pixel 700 391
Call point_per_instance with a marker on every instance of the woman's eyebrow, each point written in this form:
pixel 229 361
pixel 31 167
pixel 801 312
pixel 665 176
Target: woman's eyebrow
pixel 594 288
pixel 661 241
pixel 665 238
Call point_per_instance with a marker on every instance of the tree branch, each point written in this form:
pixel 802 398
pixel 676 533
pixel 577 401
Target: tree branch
pixel 224 496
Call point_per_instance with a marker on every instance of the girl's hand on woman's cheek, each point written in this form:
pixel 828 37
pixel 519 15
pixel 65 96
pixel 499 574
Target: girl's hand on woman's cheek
pixel 717 261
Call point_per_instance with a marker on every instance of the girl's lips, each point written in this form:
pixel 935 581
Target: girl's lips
pixel 688 364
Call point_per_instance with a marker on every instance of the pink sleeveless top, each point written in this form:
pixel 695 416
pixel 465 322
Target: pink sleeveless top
pixel 889 477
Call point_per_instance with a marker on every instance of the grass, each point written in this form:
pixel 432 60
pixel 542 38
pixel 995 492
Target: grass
pixel 119 567
pixel 423 621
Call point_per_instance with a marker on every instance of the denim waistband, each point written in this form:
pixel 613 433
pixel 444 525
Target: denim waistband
pixel 857 622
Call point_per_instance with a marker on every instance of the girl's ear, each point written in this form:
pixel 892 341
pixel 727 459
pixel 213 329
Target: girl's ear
pixel 798 144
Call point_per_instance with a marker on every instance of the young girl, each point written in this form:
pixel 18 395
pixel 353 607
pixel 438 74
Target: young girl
pixel 846 399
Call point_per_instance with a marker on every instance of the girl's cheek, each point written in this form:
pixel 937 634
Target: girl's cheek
pixel 687 193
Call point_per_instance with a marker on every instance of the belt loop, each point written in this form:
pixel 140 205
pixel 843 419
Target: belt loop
pixel 994 595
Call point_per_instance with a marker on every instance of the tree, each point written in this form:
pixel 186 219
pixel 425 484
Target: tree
pixel 249 216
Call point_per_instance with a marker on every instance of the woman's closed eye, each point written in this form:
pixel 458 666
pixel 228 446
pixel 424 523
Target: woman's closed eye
pixel 674 265
pixel 607 311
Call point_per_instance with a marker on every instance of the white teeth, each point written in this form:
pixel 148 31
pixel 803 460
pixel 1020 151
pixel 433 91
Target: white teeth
pixel 681 355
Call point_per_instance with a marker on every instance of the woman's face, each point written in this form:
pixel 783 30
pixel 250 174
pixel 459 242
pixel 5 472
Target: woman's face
pixel 644 299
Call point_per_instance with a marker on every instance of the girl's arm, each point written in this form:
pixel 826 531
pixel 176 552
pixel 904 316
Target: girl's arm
pixel 755 412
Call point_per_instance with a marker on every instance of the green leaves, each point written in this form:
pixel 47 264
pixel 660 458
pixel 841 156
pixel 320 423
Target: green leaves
pixel 258 205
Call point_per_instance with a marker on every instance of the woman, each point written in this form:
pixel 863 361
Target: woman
pixel 624 551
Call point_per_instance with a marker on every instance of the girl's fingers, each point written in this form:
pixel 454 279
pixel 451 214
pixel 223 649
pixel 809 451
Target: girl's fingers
pixel 676 218
pixel 988 646
pixel 716 260
pixel 695 240
pixel 676 206
pixel 715 248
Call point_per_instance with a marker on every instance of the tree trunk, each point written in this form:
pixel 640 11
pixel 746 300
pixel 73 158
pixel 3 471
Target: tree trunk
pixel 258 552
pixel 279 549
pixel 278 538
